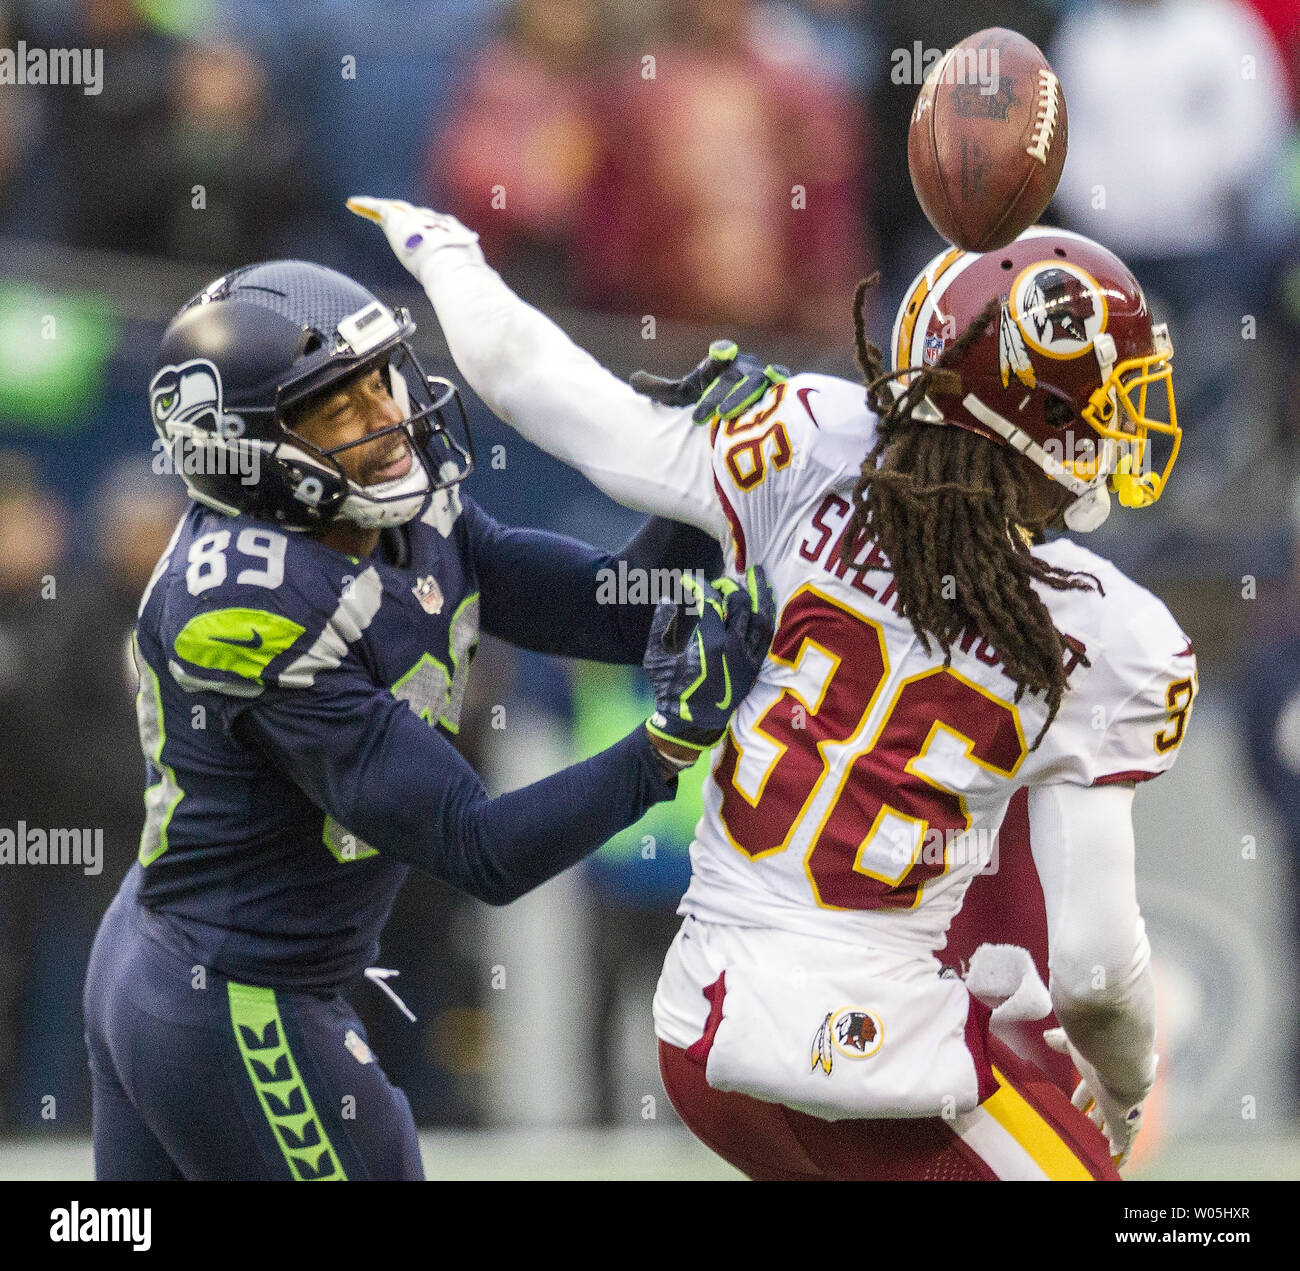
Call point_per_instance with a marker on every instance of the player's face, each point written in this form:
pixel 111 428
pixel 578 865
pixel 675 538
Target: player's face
pixel 349 411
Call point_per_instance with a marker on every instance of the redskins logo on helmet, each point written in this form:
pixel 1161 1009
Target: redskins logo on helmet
pixel 1072 373
pixel 1059 309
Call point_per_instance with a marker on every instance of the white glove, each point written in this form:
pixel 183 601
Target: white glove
pixel 414 233
pixel 1118 1118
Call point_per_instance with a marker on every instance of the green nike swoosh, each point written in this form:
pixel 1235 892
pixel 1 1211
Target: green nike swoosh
pixel 254 643
pixel 726 696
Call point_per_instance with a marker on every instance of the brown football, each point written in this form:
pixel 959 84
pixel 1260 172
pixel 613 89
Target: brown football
pixel 987 139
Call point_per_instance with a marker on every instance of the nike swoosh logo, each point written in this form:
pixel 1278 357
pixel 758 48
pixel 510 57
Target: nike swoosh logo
pixel 802 395
pixel 726 679
pixel 254 643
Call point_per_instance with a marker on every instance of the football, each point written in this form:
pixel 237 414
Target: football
pixel 987 139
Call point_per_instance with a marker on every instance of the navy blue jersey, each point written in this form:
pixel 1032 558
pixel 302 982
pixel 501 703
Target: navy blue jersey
pixel 295 707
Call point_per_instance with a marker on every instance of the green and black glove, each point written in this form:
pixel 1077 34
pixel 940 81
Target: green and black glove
pixel 727 383
pixel 701 666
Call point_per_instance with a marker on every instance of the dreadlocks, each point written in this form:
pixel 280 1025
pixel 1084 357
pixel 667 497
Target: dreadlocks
pixel 951 510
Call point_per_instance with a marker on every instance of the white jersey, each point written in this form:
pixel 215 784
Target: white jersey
pixel 862 783
pixel 859 788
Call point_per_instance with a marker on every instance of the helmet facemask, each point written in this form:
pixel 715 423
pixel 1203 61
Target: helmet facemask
pixel 1117 454
pixel 1118 412
pixel 1108 447
pixel 433 415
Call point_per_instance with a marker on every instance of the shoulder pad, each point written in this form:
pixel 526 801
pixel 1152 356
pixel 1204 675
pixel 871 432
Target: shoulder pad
pixel 248 606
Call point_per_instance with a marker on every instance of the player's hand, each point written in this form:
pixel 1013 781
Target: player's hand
pixel 702 665
pixel 1117 1117
pixel 414 233
pixel 727 383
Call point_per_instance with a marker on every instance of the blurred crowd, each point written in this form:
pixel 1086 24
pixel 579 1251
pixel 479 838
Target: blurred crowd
pixel 737 163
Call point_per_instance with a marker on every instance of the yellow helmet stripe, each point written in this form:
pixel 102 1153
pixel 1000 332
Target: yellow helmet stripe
pixel 921 288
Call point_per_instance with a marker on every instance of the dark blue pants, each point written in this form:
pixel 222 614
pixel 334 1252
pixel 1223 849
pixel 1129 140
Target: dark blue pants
pixel 196 1076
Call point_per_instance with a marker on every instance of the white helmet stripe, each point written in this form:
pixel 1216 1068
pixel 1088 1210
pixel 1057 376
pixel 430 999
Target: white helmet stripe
pixel 930 306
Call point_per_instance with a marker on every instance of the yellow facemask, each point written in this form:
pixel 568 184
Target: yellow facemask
pixel 1132 481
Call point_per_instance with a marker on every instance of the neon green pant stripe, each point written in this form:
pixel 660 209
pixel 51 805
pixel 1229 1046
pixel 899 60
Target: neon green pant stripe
pixel 285 1099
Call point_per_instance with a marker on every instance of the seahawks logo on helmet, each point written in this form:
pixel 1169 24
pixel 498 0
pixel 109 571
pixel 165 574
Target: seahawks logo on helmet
pixel 1058 309
pixel 189 396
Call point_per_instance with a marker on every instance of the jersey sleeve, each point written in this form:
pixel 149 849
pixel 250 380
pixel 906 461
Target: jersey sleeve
pixel 552 594
pixel 285 669
pixel 1128 721
pixel 648 457
pixel 398 785
pixel 256 629
pixel 762 462
pixel 1143 737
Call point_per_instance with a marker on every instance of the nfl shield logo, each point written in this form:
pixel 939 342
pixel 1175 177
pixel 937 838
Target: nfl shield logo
pixel 429 594
pixel 933 347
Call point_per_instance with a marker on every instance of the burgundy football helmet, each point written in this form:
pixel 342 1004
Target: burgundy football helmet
pixel 1063 373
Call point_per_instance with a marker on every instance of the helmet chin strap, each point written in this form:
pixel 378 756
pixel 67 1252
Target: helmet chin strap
pixel 1088 511
pixel 394 502
pixel 1092 506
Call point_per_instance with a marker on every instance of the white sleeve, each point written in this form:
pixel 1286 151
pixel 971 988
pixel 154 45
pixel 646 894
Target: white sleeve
pixel 776 459
pixel 649 457
pixel 1098 956
pixel 1142 738
pixel 1125 722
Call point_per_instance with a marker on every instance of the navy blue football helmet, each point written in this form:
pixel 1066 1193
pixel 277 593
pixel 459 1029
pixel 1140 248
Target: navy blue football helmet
pixel 264 339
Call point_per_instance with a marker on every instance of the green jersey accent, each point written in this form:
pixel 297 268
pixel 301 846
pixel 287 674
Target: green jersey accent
pixel 461 641
pixel 344 846
pixel 241 641
pixel 283 1094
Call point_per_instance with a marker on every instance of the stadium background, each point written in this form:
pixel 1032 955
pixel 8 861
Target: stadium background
pixel 611 190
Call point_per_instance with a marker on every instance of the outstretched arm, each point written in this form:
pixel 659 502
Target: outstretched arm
pixel 394 781
pixel 551 594
pixel 400 786
pixel 644 455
